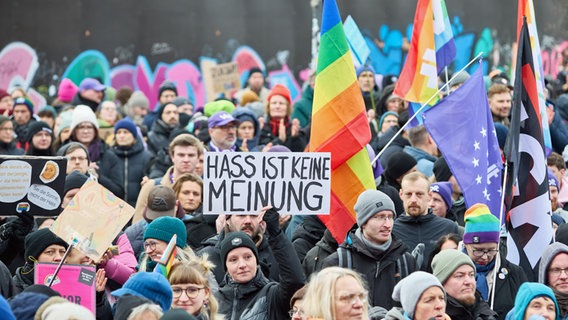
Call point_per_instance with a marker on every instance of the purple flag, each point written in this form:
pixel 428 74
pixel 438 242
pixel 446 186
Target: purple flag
pixel 462 126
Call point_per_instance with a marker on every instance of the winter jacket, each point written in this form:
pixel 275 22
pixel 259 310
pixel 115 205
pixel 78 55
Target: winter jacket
pixel 21 131
pixel 479 311
pixel 398 144
pixel 261 299
pixel 158 165
pixel 509 278
pixel 303 107
pixel 267 260
pixel 307 235
pixel 295 144
pixel 77 100
pixel 109 166
pixel 381 272
pixel 525 295
pixel 246 114
pixel 199 227
pixel 9 149
pixel 159 136
pixel 133 160
pixel 7 288
pixel 313 261
pixel 23 278
pixel 120 267
pixel 135 235
pixel 424 160
pixel 426 229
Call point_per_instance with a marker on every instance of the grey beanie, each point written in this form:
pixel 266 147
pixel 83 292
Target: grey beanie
pixel 547 256
pixel 447 261
pixel 369 203
pixel 409 290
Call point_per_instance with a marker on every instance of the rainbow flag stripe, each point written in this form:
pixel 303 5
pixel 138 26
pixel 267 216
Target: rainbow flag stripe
pixel 339 123
pixel 165 264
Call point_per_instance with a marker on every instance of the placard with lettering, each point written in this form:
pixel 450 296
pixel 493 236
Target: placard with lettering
pixel 31 184
pixel 293 183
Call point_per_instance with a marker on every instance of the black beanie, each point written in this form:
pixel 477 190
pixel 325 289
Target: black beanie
pixel 74 180
pixel 37 126
pixel 161 109
pixel 235 240
pixel 441 170
pixel 167 85
pixel 37 241
pixel 399 164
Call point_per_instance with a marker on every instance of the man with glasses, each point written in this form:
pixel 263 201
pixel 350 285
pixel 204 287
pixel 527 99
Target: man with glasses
pixel 481 244
pixel 371 249
pixel 553 272
pixel 456 272
pixel 223 132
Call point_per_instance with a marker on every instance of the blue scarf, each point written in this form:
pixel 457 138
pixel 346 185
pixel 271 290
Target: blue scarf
pixel 481 278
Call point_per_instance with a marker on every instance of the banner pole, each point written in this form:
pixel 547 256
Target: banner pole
pixel 424 106
pixel 60 264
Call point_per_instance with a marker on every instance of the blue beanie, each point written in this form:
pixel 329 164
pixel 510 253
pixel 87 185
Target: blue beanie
pixel 164 229
pixel 362 68
pixel 384 116
pixel 25 305
pixel 128 125
pixel 150 285
pixel 5 310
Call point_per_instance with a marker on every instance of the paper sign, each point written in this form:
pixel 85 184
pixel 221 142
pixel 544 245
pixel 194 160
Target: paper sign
pixel 356 40
pixel 32 184
pixel 75 283
pixel 243 183
pixel 92 219
pixel 220 78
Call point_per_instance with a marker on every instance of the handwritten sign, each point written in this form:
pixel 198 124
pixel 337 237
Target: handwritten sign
pixel 92 219
pixel 220 78
pixel 31 184
pixel 75 283
pixel 293 183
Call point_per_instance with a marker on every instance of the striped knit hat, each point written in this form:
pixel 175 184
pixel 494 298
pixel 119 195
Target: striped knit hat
pixel 480 225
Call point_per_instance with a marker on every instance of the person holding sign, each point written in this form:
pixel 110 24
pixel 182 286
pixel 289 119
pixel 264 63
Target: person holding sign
pixel 245 290
pixel 278 129
pixel 40 246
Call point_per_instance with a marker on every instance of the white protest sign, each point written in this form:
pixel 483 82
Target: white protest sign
pixel 241 183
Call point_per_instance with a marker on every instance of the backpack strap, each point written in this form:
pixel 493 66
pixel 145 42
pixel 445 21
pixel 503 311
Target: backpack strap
pixel 345 257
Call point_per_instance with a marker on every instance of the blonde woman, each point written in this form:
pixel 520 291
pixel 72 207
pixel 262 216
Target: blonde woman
pixel 336 293
pixel 191 287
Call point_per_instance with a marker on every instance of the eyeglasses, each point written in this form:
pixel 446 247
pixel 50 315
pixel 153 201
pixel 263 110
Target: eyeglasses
pixel 353 297
pixel 481 253
pixel 151 245
pixel 190 292
pixel 383 217
pixel 293 311
pixel 558 271
pixel 85 127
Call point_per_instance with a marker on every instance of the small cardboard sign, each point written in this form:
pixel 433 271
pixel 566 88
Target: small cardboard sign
pixel 75 283
pixel 220 78
pixel 32 184
pixel 243 183
pixel 92 219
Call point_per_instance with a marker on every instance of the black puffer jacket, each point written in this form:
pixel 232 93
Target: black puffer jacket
pixel 159 136
pixel 133 160
pixel 313 261
pixel 478 311
pixel 381 272
pixel 295 144
pixel 307 234
pixel 261 299
pixel 109 165
pixel 199 227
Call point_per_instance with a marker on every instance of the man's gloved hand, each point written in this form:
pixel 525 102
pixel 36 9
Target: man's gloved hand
pixel 272 219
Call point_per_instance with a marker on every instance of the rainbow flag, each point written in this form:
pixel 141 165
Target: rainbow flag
pixel 432 48
pixel 165 263
pixel 526 9
pixel 339 123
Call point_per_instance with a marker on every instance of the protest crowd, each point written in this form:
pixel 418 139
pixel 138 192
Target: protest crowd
pixel 416 248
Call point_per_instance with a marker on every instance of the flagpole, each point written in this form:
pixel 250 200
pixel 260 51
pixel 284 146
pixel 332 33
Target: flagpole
pixel 447 81
pixel 424 106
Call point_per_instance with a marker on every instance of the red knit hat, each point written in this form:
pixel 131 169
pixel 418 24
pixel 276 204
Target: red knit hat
pixel 3 93
pixel 281 91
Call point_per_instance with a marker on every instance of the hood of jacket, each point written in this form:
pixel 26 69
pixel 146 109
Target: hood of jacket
pixel 547 256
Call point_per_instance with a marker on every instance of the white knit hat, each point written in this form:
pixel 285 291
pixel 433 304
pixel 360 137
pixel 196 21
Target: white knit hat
pixel 82 113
